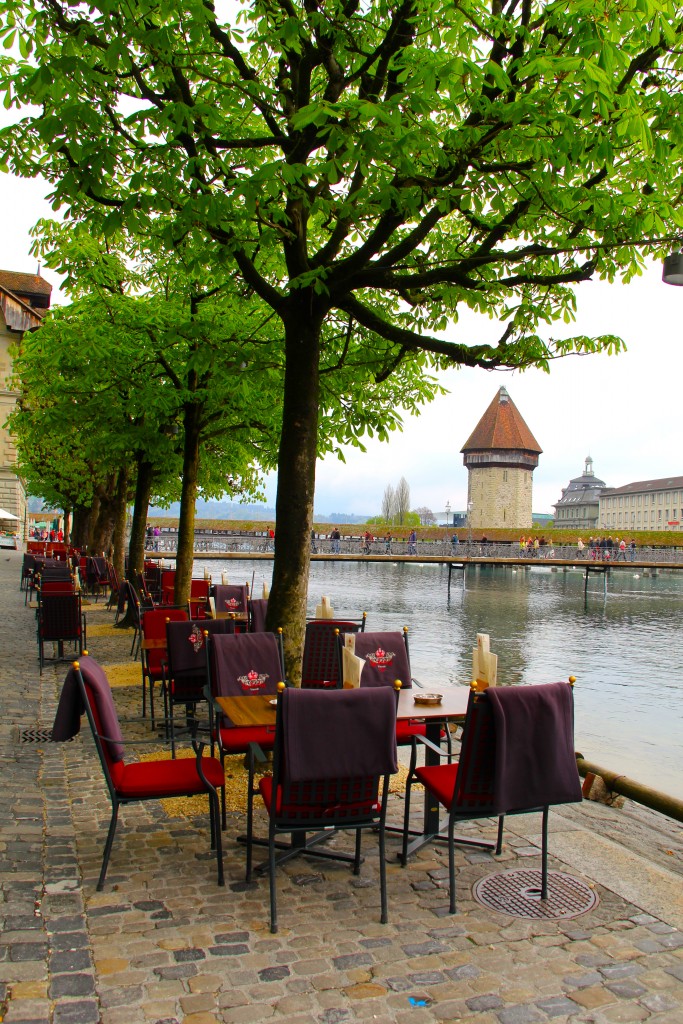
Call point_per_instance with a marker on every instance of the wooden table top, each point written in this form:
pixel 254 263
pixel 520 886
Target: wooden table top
pixel 453 704
pixel 256 709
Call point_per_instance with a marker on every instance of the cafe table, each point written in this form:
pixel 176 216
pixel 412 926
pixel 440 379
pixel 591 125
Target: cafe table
pixel 260 709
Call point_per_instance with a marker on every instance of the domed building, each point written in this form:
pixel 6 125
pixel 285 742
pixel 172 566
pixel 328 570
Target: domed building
pixel 579 506
pixel 501 455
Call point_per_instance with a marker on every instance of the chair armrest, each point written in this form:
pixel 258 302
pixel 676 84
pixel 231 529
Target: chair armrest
pixel 416 682
pixel 432 746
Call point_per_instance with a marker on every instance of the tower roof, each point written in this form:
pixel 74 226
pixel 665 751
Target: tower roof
pixel 501 427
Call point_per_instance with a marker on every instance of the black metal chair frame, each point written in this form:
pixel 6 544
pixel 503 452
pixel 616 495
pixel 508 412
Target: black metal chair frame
pixel 364 811
pixel 119 801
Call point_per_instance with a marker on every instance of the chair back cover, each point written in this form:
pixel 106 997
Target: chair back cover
pixel 474 782
pixel 245 664
pixel 71 706
pixel 257 614
pixel 320 667
pixel 386 659
pixel 343 734
pixel 186 645
pixel 231 600
pixel 59 617
pixel 535 759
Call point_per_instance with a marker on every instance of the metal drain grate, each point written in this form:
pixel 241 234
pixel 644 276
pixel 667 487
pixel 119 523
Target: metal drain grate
pixel 518 894
pixel 35 736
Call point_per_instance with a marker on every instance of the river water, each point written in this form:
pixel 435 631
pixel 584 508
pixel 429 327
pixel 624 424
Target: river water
pixel 624 647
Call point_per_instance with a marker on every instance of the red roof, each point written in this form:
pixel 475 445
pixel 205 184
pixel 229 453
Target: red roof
pixel 501 427
pixel 24 284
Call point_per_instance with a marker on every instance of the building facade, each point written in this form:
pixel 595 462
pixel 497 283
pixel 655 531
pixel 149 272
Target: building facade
pixel 500 455
pixel 24 300
pixel 645 505
pixel 579 506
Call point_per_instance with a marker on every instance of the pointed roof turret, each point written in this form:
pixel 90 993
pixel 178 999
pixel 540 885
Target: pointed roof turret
pixel 502 428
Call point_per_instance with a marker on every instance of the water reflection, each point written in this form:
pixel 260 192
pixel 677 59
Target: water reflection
pixel 623 646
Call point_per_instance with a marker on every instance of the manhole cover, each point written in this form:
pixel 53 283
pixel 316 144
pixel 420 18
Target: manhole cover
pixel 518 893
pixel 35 736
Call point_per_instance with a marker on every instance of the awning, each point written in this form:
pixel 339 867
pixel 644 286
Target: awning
pixel 4 514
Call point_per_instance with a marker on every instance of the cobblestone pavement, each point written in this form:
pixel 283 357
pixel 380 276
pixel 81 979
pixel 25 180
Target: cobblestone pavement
pixel 163 944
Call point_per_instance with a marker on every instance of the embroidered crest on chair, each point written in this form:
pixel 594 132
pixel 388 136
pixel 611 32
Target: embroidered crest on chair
pixel 253 681
pixel 380 659
pixel 231 604
pixel 196 638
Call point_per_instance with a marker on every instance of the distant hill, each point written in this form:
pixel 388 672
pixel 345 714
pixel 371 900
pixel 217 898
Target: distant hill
pixel 235 510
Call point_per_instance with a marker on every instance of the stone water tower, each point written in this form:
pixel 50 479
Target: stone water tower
pixel 501 455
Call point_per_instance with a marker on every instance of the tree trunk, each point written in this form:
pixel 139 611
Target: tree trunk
pixel 296 485
pixel 121 510
pixel 143 491
pixel 79 533
pixel 188 500
pixel 92 519
pixel 104 525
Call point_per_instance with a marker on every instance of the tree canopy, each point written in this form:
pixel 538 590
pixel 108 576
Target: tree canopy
pixel 367 168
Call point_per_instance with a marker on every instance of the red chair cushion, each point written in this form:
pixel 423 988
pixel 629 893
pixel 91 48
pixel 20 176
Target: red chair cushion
pixel 405 731
pixel 439 779
pixel 158 779
pixel 236 740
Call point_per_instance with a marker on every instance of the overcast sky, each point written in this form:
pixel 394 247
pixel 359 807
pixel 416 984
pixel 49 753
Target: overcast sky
pixel 624 411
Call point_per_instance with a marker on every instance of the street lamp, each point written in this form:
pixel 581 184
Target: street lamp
pixel 448 513
pixel 673 269
pixel 470 506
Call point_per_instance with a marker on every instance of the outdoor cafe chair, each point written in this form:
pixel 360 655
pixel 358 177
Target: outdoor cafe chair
pixel 320 667
pixel 332 750
pixel 60 621
pixel 386 658
pixel 242 665
pixel 153 650
pixel 96 575
pixel 28 566
pixel 517 755
pixel 167 586
pixel 114 586
pixel 152 575
pixel 199 598
pixel 184 673
pixel 86 688
pixel 231 600
pixel 258 607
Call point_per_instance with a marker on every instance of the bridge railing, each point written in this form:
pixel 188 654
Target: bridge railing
pixel 250 542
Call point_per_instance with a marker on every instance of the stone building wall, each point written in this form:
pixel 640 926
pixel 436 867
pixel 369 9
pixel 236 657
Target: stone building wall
pixel 12 494
pixel 500 497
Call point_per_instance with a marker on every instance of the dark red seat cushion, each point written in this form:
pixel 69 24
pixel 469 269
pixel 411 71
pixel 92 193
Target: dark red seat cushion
pixel 439 779
pixel 235 740
pixel 149 779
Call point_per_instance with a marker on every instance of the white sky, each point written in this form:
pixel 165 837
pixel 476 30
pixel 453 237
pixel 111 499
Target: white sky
pixel 624 411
